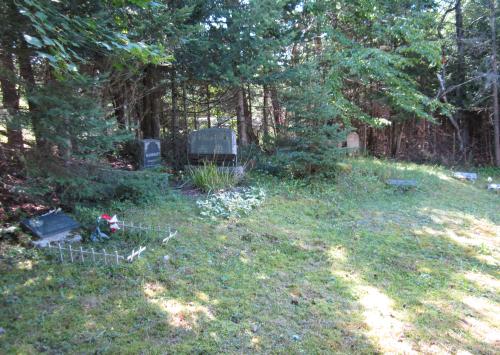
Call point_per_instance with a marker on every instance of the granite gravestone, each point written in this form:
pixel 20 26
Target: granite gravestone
pixel 353 142
pixel 212 144
pixel 150 150
pixel 52 226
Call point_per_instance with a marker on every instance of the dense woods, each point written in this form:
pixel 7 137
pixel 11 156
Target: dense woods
pixel 416 79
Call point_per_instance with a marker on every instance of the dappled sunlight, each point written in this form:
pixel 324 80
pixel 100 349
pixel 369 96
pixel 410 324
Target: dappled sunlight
pixel 485 281
pixel 184 315
pixel 153 289
pixel 414 168
pixel 440 175
pixel 32 281
pixel 480 226
pixel 483 320
pixel 487 310
pixel 386 326
pixel 255 342
pixel 25 265
pixel 476 235
pixel 244 258
pixel 202 296
pixel 338 253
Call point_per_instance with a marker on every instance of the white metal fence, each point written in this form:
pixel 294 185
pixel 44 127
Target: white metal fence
pixel 66 252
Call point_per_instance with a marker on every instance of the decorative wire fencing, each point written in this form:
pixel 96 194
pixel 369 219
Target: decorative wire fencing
pixel 165 233
pixel 73 255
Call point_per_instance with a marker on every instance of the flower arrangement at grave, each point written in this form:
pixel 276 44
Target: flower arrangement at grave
pixel 106 221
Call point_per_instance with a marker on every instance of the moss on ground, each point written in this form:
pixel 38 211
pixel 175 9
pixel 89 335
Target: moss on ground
pixel 329 266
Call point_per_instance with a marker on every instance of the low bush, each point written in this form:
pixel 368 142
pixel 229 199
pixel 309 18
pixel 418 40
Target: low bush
pixel 78 182
pixel 231 203
pixel 209 178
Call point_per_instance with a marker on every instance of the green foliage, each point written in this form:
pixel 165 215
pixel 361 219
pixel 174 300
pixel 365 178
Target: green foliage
pixel 231 204
pixel 67 35
pixel 209 177
pixel 69 118
pixel 81 182
pixel 314 133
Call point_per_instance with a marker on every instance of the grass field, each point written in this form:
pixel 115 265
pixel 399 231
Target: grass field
pixel 346 266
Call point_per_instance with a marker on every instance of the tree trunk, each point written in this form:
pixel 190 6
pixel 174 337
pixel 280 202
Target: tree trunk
pixel 252 137
pixel 277 111
pixel 195 118
pixel 184 109
pixel 26 70
pixel 174 119
pixel 265 119
pixel 240 117
pixel 494 69
pixel 119 108
pixel 460 117
pixel 394 139
pixel 209 124
pixel 10 97
pixel 151 105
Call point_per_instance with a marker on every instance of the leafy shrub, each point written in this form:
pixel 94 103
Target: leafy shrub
pixel 231 203
pixel 81 182
pixel 209 178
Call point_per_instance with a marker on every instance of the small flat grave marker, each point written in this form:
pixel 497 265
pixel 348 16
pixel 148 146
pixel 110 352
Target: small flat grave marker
pixel 52 227
pixel 402 184
pixel 465 176
pixel 50 224
pixel 494 187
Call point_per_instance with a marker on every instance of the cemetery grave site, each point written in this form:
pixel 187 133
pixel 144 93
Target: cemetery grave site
pixel 249 177
pixel 351 267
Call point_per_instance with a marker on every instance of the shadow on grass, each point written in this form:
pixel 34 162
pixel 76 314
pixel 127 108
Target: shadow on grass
pixel 430 263
pixel 221 293
pixel 366 272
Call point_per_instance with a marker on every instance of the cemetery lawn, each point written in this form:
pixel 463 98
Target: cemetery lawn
pixel 346 266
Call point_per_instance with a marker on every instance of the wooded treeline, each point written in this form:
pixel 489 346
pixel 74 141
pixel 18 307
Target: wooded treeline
pixel 416 79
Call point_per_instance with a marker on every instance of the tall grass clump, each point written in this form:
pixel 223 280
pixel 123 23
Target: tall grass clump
pixel 209 178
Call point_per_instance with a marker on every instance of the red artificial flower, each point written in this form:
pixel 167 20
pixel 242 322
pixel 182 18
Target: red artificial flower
pixel 105 216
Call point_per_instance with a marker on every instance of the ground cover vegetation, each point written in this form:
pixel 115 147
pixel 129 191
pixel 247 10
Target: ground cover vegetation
pixel 349 267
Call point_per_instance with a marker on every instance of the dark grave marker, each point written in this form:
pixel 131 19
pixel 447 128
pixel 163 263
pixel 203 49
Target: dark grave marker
pixel 150 150
pixel 51 226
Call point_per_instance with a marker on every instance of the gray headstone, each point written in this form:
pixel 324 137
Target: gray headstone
pixel 353 141
pixel 494 187
pixel 150 153
pixel 213 143
pixel 465 176
pixel 51 224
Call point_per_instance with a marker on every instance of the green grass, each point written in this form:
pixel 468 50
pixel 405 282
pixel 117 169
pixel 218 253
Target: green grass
pixel 346 266
pixel 209 178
